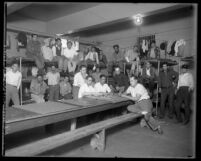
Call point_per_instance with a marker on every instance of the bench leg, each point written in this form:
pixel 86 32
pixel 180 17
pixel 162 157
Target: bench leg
pixel 98 141
pixel 73 124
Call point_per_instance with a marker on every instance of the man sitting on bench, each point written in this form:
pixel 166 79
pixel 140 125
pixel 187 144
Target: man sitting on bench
pixel 143 104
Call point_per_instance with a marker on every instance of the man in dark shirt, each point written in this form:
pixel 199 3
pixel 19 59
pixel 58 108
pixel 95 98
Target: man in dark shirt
pixel 167 80
pixel 148 77
pixel 102 60
pixel 120 83
pixel 118 59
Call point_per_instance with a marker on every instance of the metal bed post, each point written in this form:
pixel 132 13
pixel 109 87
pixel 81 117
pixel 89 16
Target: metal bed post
pixel 157 89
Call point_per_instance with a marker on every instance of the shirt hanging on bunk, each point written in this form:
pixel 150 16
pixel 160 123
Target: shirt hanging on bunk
pixel 169 44
pixel 178 43
pixel 22 39
pixel 172 52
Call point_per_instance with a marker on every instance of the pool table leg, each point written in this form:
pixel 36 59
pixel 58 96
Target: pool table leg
pixel 73 124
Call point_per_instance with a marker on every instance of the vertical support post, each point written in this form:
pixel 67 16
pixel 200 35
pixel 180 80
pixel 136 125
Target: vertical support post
pixel 21 81
pixel 157 89
pixel 73 124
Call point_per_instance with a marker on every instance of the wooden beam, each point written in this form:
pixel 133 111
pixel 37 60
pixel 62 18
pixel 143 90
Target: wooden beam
pixel 52 142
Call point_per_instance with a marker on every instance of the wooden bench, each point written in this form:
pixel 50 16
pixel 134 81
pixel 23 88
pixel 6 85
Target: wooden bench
pixel 43 145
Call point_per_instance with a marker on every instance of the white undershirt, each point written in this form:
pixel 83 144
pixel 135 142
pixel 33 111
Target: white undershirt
pixel 186 79
pixel 53 78
pixel 13 79
pixel 85 88
pixel 102 88
pixel 79 80
pixel 138 89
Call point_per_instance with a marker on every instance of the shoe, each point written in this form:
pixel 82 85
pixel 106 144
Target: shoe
pixel 160 131
pixel 186 122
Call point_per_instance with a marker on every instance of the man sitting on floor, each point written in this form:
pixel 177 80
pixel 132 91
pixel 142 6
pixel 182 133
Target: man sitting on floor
pixel 143 104
pixel 102 86
pixel 38 88
pixel 120 81
pixel 87 89
pixel 65 88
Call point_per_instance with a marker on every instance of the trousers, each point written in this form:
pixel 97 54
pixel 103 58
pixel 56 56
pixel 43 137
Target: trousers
pixel 53 92
pixel 12 94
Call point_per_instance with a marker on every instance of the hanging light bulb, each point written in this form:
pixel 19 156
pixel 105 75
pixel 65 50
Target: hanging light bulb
pixel 138 19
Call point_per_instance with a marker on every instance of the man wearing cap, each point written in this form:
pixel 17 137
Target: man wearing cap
pixel 13 82
pixel 118 59
pixel 38 88
pixel 166 86
pixel 184 88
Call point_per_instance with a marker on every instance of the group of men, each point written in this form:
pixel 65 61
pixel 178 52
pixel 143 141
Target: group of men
pixel 176 88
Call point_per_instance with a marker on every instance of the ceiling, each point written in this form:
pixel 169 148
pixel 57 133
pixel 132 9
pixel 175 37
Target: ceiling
pixel 51 10
pixel 91 18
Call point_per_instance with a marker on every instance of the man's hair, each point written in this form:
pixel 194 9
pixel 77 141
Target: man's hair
pixel 89 76
pixel 57 39
pixel 32 35
pixel 116 45
pixel 133 76
pixel 153 41
pixel 40 75
pixel 69 42
pixel 15 62
pixel 103 75
pixel 83 66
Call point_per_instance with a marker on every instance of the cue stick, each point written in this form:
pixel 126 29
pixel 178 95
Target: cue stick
pixel 21 81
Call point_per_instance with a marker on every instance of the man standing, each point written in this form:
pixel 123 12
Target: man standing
pixel 184 88
pixel 38 88
pixel 57 53
pixel 166 86
pixel 13 82
pixel 34 51
pixel 148 77
pixel 118 59
pixel 70 58
pixel 53 82
pixel 79 80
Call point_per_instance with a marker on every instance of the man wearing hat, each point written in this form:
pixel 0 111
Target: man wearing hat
pixel 118 59
pixel 167 80
pixel 184 88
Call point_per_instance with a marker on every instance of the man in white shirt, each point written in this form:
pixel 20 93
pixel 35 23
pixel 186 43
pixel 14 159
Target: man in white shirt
pixel 101 86
pixel 70 55
pixel 79 80
pixel 13 82
pixel 92 58
pixel 47 51
pixel 53 78
pixel 143 104
pixel 184 88
pixel 87 89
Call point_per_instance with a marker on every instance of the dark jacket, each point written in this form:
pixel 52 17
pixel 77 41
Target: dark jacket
pixel 145 76
pixel 121 80
pixel 167 80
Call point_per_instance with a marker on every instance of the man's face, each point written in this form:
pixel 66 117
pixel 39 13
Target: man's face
pixel 40 79
pixel 69 45
pixel 148 65
pixel 53 68
pixel 103 80
pixel 83 70
pixel 117 71
pixel 135 49
pixel 133 81
pixel 58 42
pixel 153 45
pixel 89 81
pixel 165 67
pixel 34 37
pixel 15 67
pixel 93 49
pixel 66 79
pixel 184 70
pixel 116 49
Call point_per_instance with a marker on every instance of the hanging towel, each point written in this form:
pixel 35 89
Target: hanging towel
pixel 172 52
pixel 22 39
pixel 143 46
pixel 169 46
pixel 178 43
